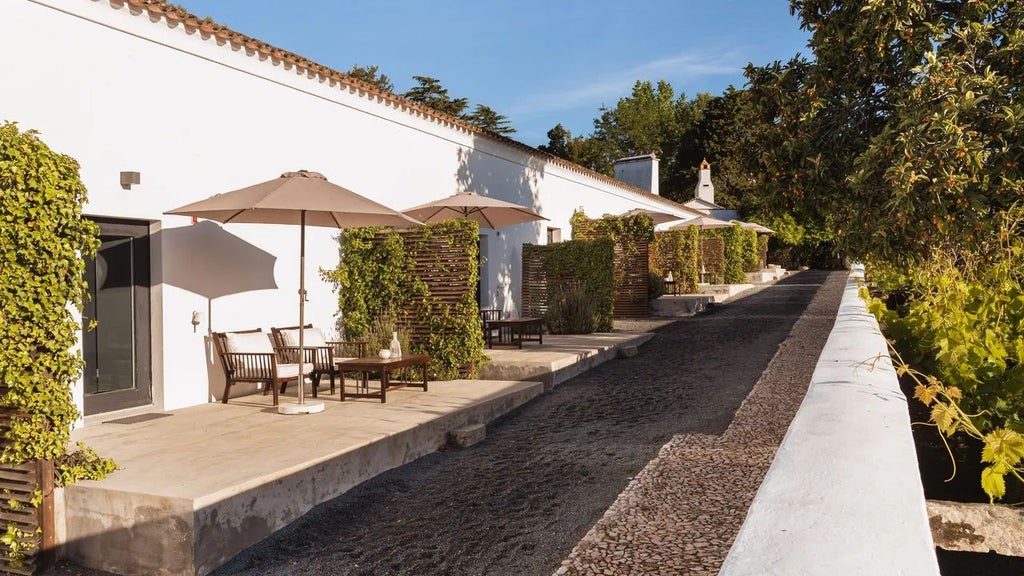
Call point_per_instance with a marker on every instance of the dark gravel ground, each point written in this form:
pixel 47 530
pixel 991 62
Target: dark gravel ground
pixel 519 502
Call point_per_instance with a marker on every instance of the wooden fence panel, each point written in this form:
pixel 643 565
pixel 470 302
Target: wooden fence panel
pixel 443 265
pixel 712 260
pixel 535 281
pixel 631 280
pixel 20 484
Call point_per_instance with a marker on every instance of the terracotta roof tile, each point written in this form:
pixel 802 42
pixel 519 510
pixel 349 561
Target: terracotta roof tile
pixel 158 10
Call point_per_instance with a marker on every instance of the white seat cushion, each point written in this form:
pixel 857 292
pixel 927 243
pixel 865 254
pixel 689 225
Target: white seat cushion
pixel 313 337
pixel 249 342
pixel 289 370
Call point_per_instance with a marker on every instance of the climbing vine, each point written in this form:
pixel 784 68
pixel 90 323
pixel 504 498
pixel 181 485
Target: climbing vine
pixel 382 273
pixel 676 251
pixel 43 239
pixel 574 271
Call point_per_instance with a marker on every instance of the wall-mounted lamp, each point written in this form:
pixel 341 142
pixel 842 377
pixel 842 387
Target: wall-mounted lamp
pixel 197 318
pixel 129 178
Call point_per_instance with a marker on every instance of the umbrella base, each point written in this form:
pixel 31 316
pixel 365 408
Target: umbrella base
pixel 296 408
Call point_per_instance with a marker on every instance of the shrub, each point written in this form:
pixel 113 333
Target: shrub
pixel 655 286
pixel 958 318
pixel 571 311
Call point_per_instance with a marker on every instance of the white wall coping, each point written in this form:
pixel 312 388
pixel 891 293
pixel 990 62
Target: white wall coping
pixel 843 495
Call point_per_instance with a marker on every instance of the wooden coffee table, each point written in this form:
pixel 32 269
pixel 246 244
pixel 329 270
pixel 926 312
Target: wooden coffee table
pixel 515 331
pixel 384 366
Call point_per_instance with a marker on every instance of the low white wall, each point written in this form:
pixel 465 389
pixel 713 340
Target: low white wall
pixel 843 495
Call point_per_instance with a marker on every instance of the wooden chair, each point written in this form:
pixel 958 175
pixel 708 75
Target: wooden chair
pixel 321 354
pixel 486 315
pixel 249 356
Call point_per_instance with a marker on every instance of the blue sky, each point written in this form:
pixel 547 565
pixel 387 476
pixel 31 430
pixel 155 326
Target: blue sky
pixel 539 62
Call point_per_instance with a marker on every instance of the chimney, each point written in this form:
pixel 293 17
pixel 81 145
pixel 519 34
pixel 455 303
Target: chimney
pixel 640 171
pixel 705 189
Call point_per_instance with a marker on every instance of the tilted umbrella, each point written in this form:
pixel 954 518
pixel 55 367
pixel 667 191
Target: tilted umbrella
pixel 703 223
pixel 300 198
pixel 486 211
pixel 656 217
pixel 755 227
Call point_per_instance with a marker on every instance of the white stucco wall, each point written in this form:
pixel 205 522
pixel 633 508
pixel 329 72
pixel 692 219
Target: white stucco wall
pixel 195 117
pixel 843 495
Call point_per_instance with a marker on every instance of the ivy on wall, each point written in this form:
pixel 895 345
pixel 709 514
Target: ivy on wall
pixel 631 236
pixel 751 251
pixel 625 231
pixel 676 251
pixel 43 238
pixel 571 270
pixel 388 273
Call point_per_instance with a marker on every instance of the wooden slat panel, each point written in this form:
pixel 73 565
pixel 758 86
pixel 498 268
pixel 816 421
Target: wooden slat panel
pixel 18 485
pixel 630 277
pixel 444 267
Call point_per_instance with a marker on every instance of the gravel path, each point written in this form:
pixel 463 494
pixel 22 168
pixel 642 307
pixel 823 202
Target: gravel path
pixel 681 514
pixel 519 502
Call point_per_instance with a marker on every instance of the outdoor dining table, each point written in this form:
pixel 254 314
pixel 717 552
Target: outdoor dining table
pixel 515 331
pixel 384 366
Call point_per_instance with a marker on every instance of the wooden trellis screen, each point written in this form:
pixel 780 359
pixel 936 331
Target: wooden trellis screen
pixel 443 265
pixel 631 268
pixel 20 483
pixel 712 254
pixel 535 281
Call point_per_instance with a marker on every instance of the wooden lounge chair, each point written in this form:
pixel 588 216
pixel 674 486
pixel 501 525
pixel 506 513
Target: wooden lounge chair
pixel 321 355
pixel 249 356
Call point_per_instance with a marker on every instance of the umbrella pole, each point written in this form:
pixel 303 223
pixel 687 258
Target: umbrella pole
pixel 302 307
pixel 302 407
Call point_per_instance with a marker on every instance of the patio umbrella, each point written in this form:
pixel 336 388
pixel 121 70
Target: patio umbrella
pixel 703 223
pixel 656 217
pixel 755 227
pixel 486 211
pixel 296 198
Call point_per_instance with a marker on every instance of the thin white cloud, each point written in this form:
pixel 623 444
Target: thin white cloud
pixel 614 84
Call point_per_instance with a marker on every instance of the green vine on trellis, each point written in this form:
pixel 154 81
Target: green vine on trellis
pixel 376 277
pixel 677 251
pixel 43 239
pixel 627 232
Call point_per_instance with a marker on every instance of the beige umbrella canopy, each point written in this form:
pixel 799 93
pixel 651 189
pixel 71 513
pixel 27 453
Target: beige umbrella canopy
pixel 703 223
pixel 487 212
pixel 656 217
pixel 755 227
pixel 297 198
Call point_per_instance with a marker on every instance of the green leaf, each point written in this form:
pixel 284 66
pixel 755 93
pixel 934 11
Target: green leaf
pixel 993 482
pixel 1003 446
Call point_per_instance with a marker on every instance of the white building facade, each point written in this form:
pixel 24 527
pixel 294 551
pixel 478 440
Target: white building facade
pixel 122 87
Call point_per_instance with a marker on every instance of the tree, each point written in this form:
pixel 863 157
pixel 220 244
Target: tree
pixel 590 152
pixel 647 121
pixel 559 142
pixel 429 92
pixel 903 134
pixel 371 75
pixel 486 118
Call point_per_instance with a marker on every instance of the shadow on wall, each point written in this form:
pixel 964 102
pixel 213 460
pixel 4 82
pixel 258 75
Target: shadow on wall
pixel 517 181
